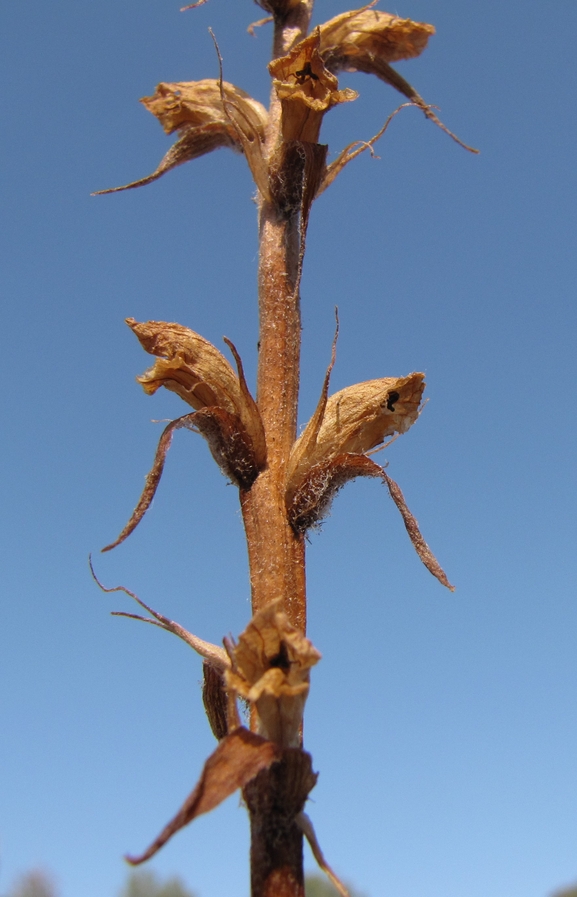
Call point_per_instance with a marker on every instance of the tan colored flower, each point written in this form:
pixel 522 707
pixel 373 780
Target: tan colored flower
pixel 271 668
pixel 192 367
pixel 363 38
pixel 355 420
pixel 306 89
pixel 208 115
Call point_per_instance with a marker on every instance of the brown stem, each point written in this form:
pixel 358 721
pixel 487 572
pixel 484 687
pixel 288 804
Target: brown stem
pixel 276 552
pixel 274 799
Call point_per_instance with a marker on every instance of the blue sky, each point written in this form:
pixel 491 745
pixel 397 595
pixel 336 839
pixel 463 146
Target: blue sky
pixel 444 726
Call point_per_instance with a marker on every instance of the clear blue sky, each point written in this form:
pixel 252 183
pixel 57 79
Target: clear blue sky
pixel 444 726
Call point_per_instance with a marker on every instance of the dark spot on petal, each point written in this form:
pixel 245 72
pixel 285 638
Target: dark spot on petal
pixel 392 398
pixel 281 660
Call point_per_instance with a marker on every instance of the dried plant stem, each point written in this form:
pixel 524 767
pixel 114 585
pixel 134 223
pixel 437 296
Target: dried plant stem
pixel 276 552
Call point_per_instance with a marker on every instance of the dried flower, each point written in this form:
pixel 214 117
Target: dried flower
pixel 306 89
pixel 192 367
pixel 208 115
pixel 355 420
pixel 363 38
pixel 270 668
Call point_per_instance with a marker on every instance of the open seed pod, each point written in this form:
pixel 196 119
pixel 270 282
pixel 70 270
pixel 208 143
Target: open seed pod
pixel 270 669
pixel 306 90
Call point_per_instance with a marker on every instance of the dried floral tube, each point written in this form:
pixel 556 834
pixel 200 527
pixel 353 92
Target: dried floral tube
pixel 306 90
pixel 271 669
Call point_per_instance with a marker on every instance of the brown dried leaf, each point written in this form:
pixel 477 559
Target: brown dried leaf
pixel 271 669
pixel 152 478
pixel 412 527
pixel 209 114
pixel 193 143
pixel 238 758
pixel 306 89
pixel 355 420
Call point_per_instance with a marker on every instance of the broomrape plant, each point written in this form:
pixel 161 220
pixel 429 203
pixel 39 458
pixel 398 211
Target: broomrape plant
pixel 285 484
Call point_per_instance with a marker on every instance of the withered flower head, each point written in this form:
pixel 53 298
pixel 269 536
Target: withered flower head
pixel 271 666
pixel 207 115
pixel 188 365
pixel 364 38
pixel 306 89
pixel 355 420
pixel 196 104
pixel 192 367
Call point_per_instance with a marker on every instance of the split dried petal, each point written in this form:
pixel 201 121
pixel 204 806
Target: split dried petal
pixel 368 34
pixel 271 669
pixel 306 90
pixel 238 758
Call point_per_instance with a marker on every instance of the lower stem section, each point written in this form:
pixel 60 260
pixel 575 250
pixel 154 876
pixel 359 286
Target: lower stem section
pixel 274 799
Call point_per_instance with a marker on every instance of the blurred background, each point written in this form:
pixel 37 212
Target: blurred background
pixel 444 726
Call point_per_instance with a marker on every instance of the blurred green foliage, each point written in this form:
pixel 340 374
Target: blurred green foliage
pixel 147 884
pixel 319 886
pixel 34 884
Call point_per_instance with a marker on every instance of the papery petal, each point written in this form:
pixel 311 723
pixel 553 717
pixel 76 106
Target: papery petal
pixel 367 33
pixel 192 367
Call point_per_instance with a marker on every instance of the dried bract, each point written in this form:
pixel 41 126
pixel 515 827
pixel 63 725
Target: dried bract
pixel 306 89
pixel 271 668
pixel 363 37
pixel 238 758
